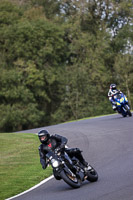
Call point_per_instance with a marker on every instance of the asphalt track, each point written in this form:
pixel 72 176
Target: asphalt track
pixel 107 144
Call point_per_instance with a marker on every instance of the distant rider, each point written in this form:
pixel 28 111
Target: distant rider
pixel 112 91
pixel 55 143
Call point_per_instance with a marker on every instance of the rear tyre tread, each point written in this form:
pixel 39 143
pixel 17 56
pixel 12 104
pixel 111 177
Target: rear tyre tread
pixel 92 176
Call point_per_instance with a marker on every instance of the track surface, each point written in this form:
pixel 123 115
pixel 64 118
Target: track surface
pixel 107 144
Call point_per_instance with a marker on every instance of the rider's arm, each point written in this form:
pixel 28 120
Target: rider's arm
pixel 42 158
pixel 109 95
pixel 119 91
pixel 61 140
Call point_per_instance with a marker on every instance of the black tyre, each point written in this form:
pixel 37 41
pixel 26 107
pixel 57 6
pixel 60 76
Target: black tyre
pixel 128 111
pixel 92 175
pixel 56 175
pixel 130 114
pixel 73 181
pixel 124 114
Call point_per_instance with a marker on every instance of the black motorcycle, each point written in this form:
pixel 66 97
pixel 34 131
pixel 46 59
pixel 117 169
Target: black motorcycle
pixel 70 169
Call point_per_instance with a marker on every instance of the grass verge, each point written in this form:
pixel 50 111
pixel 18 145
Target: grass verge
pixel 20 167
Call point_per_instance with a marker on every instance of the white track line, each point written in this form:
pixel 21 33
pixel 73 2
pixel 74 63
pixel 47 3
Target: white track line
pixel 47 179
pixel 42 182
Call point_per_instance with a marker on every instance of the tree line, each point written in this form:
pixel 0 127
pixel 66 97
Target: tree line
pixel 59 57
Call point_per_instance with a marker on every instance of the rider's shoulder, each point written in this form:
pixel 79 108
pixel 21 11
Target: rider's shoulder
pixel 55 136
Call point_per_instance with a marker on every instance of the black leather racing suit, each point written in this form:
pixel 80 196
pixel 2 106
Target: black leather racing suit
pixel 56 142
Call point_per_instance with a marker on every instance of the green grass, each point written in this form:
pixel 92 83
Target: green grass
pixel 90 117
pixel 20 167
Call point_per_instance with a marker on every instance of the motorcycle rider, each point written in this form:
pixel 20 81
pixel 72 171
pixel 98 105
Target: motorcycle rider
pixel 112 91
pixel 55 143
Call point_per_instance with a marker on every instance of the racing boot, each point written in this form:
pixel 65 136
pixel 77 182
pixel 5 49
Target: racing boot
pixel 87 168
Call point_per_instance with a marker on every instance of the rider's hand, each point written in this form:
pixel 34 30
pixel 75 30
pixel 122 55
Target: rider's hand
pixel 44 166
pixel 57 150
pixel 62 146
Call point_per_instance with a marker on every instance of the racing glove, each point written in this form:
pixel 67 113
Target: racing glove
pixel 62 146
pixel 57 150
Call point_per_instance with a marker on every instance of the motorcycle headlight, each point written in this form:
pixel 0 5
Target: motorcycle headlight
pixel 54 163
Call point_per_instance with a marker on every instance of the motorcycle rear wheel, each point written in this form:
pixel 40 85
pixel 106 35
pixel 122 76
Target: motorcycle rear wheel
pixel 92 175
pixel 74 182
pixel 128 111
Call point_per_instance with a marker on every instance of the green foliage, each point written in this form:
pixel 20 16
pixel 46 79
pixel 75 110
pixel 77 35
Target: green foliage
pixel 9 13
pixel 124 69
pixel 17 103
pixel 51 8
pixel 58 58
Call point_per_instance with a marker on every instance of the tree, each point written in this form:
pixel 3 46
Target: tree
pixel 58 58
pixel 32 52
pixel 124 73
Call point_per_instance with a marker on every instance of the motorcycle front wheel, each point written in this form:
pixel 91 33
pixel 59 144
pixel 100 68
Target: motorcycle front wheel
pixel 73 181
